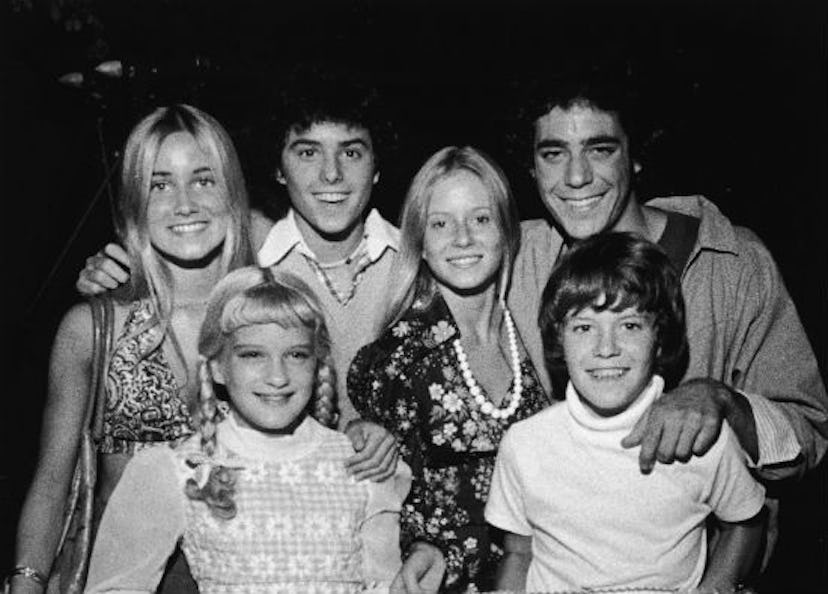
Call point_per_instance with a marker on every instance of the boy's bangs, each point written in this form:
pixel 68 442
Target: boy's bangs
pixel 601 292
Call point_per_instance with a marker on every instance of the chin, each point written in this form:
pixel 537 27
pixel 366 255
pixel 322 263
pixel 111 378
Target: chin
pixel 584 230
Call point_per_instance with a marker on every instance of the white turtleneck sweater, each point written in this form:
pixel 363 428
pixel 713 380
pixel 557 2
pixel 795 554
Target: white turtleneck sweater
pixel 595 520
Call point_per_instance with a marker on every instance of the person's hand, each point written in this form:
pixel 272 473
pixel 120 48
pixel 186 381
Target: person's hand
pixel 422 572
pixel 21 585
pixel 106 270
pixel 684 422
pixel 376 451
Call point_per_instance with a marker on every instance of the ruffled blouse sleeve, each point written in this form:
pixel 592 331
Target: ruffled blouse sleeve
pixel 141 525
pixel 380 531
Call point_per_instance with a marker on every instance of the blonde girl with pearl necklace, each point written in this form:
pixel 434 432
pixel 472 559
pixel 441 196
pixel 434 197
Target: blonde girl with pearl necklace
pixel 449 373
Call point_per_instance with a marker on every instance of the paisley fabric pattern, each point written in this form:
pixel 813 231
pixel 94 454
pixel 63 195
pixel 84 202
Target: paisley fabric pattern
pixel 143 404
pixel 410 382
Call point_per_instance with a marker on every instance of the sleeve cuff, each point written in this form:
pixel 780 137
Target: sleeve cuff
pixel 777 440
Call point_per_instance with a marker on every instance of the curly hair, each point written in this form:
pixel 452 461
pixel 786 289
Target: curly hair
pixel 314 95
pixel 605 87
pixel 616 271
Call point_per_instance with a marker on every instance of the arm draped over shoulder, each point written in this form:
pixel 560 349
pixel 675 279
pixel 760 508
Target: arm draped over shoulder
pixel 767 357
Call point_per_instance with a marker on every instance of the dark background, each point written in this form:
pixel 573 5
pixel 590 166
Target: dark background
pixel 736 92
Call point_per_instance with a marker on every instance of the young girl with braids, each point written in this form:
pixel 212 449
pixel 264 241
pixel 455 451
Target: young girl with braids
pixel 259 497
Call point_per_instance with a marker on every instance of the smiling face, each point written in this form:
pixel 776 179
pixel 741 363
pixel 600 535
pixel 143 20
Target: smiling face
pixel 187 214
pixel 328 170
pixel 269 373
pixel 609 356
pixel 583 169
pixel 462 244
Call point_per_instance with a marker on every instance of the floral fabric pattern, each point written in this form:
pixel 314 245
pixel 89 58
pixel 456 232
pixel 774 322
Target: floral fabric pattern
pixel 296 527
pixel 143 405
pixel 410 382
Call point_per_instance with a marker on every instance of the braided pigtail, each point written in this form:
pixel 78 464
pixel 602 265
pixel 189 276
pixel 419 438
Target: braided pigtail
pixel 220 487
pixel 208 407
pixel 324 406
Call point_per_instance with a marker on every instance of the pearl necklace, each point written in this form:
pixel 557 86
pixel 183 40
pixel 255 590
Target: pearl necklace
pixel 474 389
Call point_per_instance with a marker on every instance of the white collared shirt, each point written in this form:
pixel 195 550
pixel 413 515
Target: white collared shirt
pixel 285 236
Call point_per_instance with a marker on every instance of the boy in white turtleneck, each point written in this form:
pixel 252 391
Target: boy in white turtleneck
pixel 577 511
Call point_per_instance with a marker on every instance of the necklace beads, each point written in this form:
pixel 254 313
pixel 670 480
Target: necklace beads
pixel 486 406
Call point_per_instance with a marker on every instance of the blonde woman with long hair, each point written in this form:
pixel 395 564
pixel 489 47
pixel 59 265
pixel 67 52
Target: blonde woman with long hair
pixel 182 213
pixel 449 373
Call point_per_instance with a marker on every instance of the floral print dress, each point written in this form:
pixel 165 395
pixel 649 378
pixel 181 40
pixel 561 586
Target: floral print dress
pixel 409 381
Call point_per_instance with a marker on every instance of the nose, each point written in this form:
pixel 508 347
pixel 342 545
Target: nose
pixel 462 235
pixel 331 169
pixel 578 171
pixel 276 375
pixel 184 202
pixel 607 344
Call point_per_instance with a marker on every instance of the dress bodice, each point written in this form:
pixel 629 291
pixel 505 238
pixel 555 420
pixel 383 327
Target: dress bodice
pixel 293 531
pixel 143 404
pixel 410 381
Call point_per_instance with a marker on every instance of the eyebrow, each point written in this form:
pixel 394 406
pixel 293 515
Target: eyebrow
pixel 204 169
pixel 475 210
pixel 591 141
pixel 345 143
pixel 550 143
pixel 578 316
pixel 307 343
pixel 602 139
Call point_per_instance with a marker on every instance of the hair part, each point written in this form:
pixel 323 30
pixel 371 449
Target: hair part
pixel 616 271
pixel 251 296
pixel 150 275
pixel 246 297
pixel 412 280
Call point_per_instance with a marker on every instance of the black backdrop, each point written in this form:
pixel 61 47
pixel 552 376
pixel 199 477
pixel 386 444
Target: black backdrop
pixel 736 90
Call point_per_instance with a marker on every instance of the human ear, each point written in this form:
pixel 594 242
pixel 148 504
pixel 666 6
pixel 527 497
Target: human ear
pixel 376 177
pixel 637 167
pixel 280 177
pixel 657 361
pixel 217 371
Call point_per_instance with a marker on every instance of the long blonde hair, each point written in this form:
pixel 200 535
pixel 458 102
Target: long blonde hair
pixel 412 280
pixel 150 276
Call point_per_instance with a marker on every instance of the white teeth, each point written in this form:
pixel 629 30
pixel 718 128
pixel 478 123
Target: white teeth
pixel 332 196
pixel 464 261
pixel 188 227
pixel 606 373
pixel 273 397
pixel 584 203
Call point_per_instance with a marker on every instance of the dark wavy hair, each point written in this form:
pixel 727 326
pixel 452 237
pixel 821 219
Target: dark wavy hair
pixel 615 271
pixel 605 87
pixel 313 95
